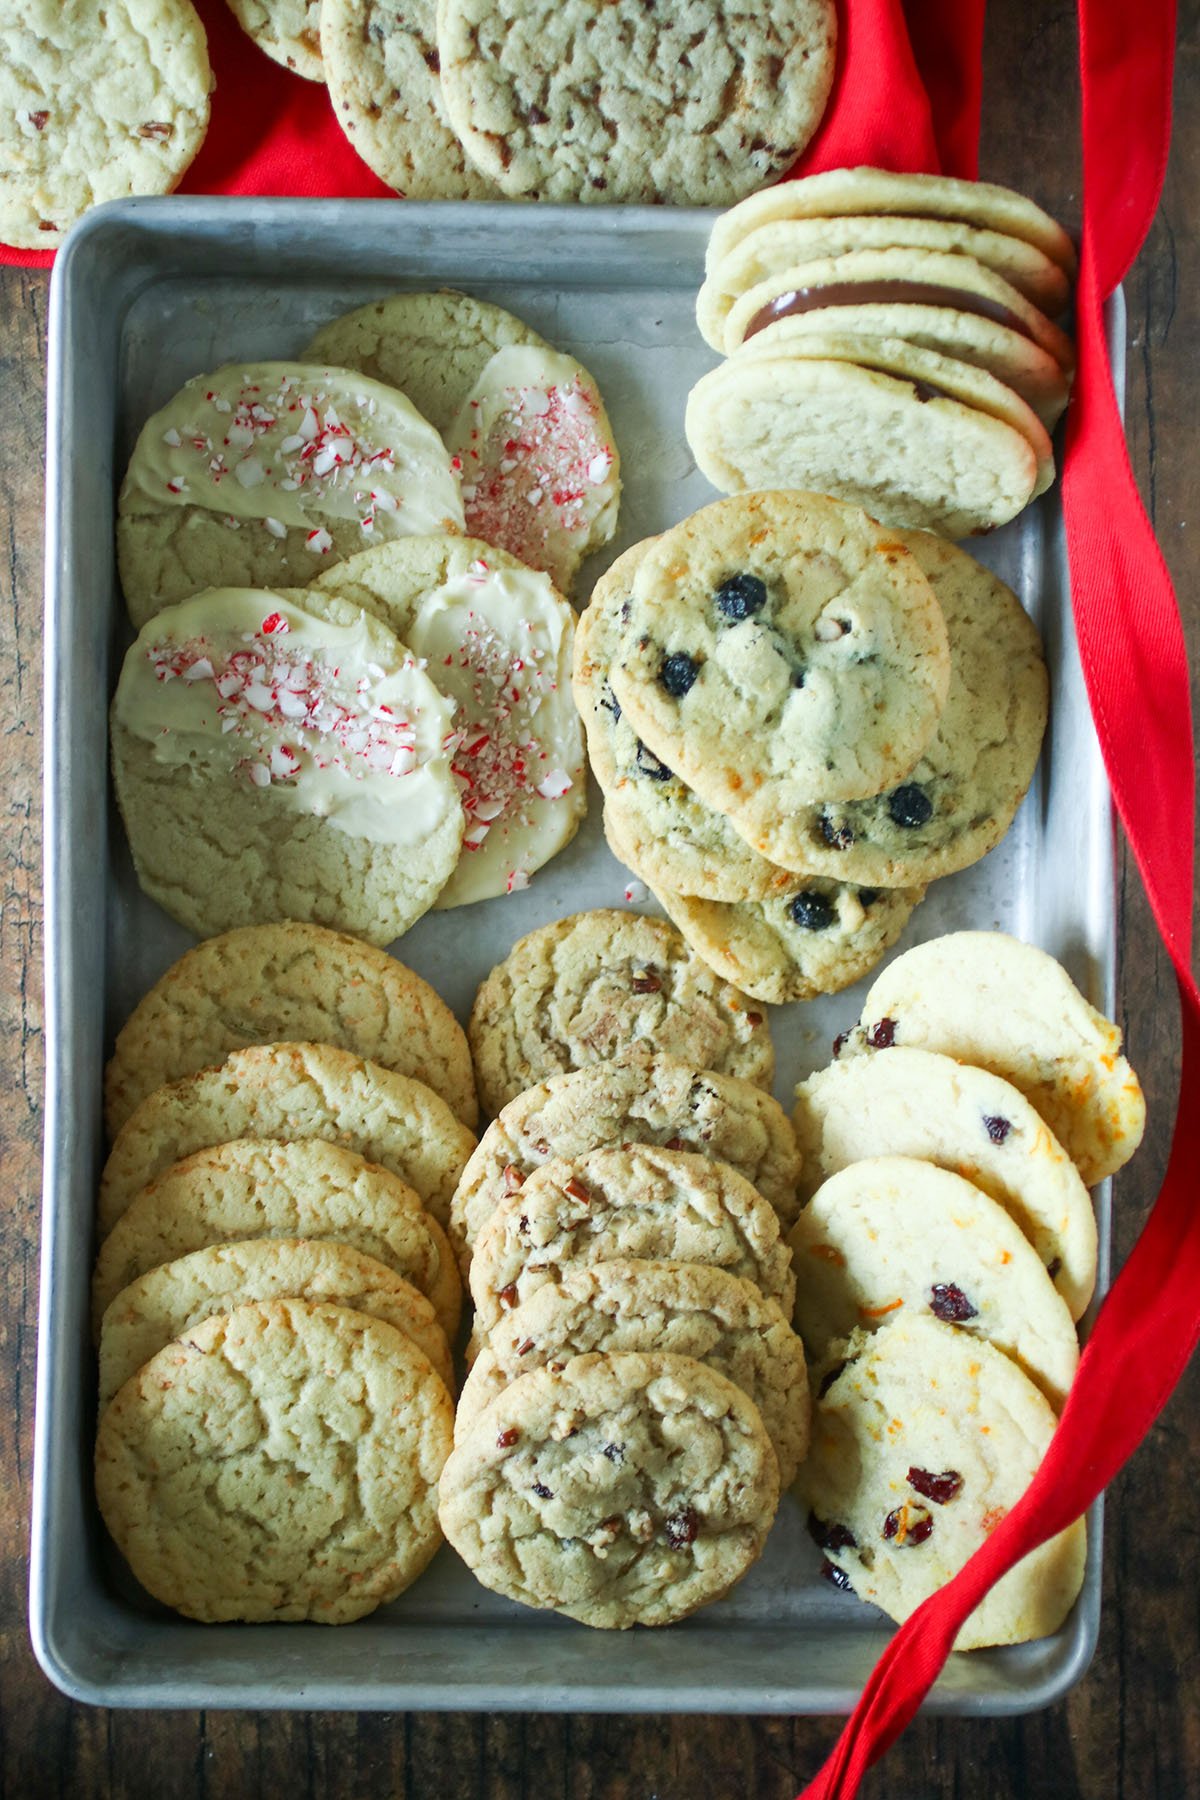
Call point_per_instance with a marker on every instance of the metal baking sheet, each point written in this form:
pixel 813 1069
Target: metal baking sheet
pixel 145 294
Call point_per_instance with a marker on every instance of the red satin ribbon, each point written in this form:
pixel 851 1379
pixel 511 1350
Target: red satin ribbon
pixel 1132 650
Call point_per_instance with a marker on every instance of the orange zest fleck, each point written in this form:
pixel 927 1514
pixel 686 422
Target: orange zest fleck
pixel 877 1312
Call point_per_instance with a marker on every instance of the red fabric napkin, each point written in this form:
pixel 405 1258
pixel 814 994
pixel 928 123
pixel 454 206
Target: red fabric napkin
pixel 274 133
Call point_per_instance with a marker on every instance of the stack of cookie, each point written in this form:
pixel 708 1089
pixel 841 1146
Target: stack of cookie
pixel 946 1248
pixel 637 1396
pixel 527 99
pixel 275 1295
pixel 399 732
pixel 798 719
pixel 890 340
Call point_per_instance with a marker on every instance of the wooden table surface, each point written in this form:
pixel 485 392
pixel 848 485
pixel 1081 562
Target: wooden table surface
pixel 1132 1726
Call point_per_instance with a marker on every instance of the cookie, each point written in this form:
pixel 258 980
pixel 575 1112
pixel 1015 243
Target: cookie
pixel 251 1188
pixel 284 756
pixel 269 984
pixel 288 30
pixel 897 277
pixel 680 841
pixel 782 648
pixel 639 1099
pixel 168 1302
pixel 816 937
pixel 381 63
pixel 262 474
pixel 836 192
pixel 589 987
pixel 910 450
pixel 613 104
pixel 432 346
pixel 540 470
pixel 915 1103
pixel 677 1309
pixel 985 998
pixel 961 798
pixel 785 243
pixel 921 1444
pixel 281 1463
pixel 631 1200
pixel 284 1093
pixel 96 104
pixel 1031 373
pixel 890 1238
pixel 498 639
pixel 623 1490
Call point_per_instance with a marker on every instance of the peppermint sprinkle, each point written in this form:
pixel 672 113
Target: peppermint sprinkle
pixel 319 541
pixel 556 784
pixel 635 893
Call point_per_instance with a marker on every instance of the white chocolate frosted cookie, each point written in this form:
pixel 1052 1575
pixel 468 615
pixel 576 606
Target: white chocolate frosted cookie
pixel 282 1463
pixel 497 639
pixel 865 190
pixel 629 1200
pixel 783 243
pixel 921 1444
pixel 96 103
pixel 891 1238
pixel 644 1099
pixel 782 648
pixel 914 1103
pixel 595 985
pixel 283 756
pixel 626 1489
pixel 260 474
pixel 432 346
pixel 693 104
pixel 381 63
pixel 986 998
pixel 540 470
pixel 288 30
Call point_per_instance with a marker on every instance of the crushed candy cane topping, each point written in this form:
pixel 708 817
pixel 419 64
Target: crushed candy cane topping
pixel 534 472
pixel 292 708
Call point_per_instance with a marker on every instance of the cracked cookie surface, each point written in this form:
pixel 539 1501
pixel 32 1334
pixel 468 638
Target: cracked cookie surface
pixel 587 988
pixel 626 1489
pixel 281 1463
pixel 288 983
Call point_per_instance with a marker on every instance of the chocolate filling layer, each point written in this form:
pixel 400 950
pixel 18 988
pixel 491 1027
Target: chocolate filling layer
pixel 871 293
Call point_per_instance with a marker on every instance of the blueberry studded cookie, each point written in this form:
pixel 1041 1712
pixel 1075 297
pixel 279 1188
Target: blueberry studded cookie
pixel 285 1093
pixel 628 1201
pixel 915 1103
pixel 676 838
pixel 638 1099
pixel 498 638
pixel 623 1490
pixel 588 988
pixel 692 105
pixel 270 984
pixel 168 1301
pixel 284 756
pixel 676 1309
pixel 986 998
pixel 280 1463
pixel 922 1442
pixel 813 936
pixel 892 1238
pixel 263 474
pixel 781 649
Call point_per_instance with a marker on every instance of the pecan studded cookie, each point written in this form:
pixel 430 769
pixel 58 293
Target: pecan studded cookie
pixel 681 1309
pixel 639 1099
pixel 587 988
pixel 281 1463
pixel 696 103
pixel 633 1201
pixel 623 1490
pixel 287 30
pixel 781 649
pixel 922 1442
